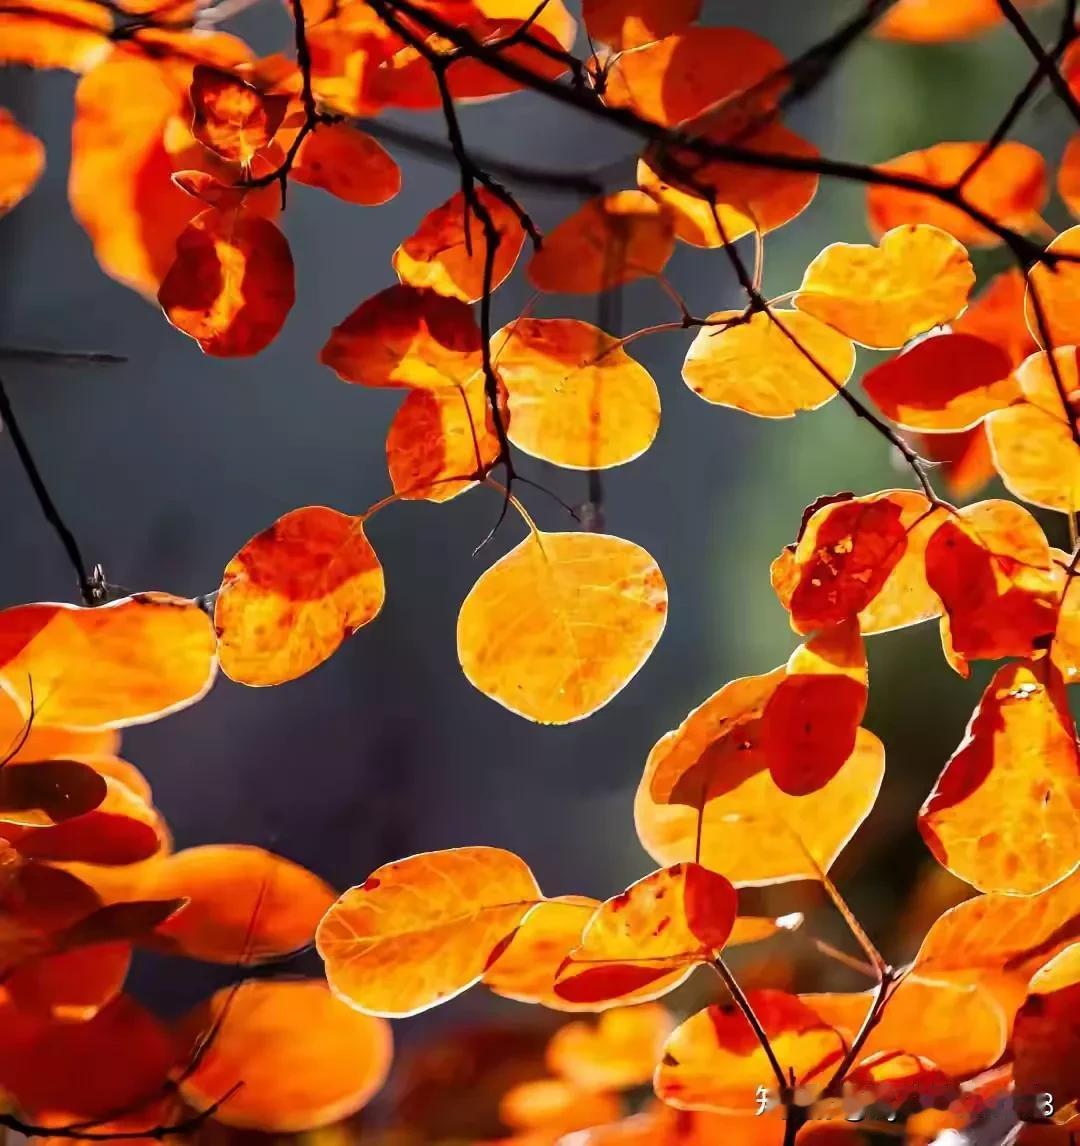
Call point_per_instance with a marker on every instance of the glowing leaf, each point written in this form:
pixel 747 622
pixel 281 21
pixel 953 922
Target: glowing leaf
pixel 1036 443
pixel 755 928
pixel 860 556
pixel 810 723
pixel 245 905
pixel 628 23
pixel 348 163
pixel 618 1051
pixel 558 626
pixel 70 34
pixel 946 383
pixel 406 337
pixel 294 593
pixel 928 21
pixel 1068 182
pixel 232 286
pixel 717 202
pixel 1008 185
pixel 990 565
pixel 1046 1035
pixel 38 740
pixel 714 1061
pixel 305 1058
pixel 231 117
pixel 997 315
pixel 1005 813
pixel 1057 289
pixel 440 440
pixel 525 969
pixel 22 160
pixel 1065 648
pixel 70 985
pixel 447 251
pixel 127 662
pixel 962 458
pixel 551 1106
pixel 773 364
pixel 610 241
pixel 209 190
pixel 916 278
pixel 576 398
pixel 647 939
pixel 422 930
pixel 707 795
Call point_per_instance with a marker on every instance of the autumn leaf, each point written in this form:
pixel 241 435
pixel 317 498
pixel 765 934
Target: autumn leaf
pixel 617 1051
pixel 48 791
pixel 916 278
pixel 629 23
pixel 575 397
pixel 231 117
pixel 926 21
pixel 558 626
pixel 22 160
pixel 153 653
pixel 71 34
pixel 772 364
pixel 1005 812
pixel 1046 1034
pixel 305 1058
pixel 422 930
pixel 293 593
pixel 646 940
pixel 70 985
pixel 551 1106
pixel 611 241
pixel 349 164
pixel 1053 294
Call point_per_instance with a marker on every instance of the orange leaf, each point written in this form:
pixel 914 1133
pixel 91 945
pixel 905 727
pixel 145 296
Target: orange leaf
pixel 447 251
pixel 406 337
pixel 928 21
pixel 990 564
pixel 553 1107
pixel 1068 181
pixel 1009 186
pixel 1036 443
pixel 916 278
pixel 209 190
pixel 305 1058
pixel 707 795
pixel 1005 813
pixel 561 624
pixel 348 163
pixel 860 556
pixel 646 940
pixel 231 117
pixel 440 440
pixel 714 1061
pixel 70 985
pixel 1065 649
pixel 232 286
pixel 629 23
pixel 22 160
pixel 1057 289
pixel 810 723
pixel 525 968
pixel 963 459
pixel 774 364
pixel 38 740
pixel 1046 1036
pixel 70 34
pixel 610 241
pixel 576 398
pixel 422 930
pixel 997 315
pixel 293 593
pixel 717 202
pixel 949 382
pixel 127 662
pixel 619 1051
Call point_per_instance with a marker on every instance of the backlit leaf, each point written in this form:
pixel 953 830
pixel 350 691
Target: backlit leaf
pixel 1057 289
pixel 127 662
pixel 927 21
pixel 647 939
pixel 48 791
pixel 232 285
pixel 576 398
pixel 70 985
pixel 1005 813
pixel 1046 1035
pixel 773 365
pixel 293 593
pixel 627 23
pixel 349 164
pixel 551 1107
pixel 231 117
pixel 558 626
pixel 916 278
pixel 617 1051
pixel 305 1058
pixel 22 160
pixel 70 34
pixel 421 930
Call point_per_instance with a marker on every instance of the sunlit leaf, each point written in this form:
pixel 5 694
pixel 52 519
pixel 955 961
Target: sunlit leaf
pixel 618 1051
pixel 610 241
pixel 558 626
pixel 70 34
pixel 70 985
pixel 575 397
pixel 928 21
pixel 406 337
pixel 305 1058
pixel 1005 813
pixel 349 164
pixel 552 1107
pixel 22 160
pixel 231 117
pixel 293 593
pixel 1046 1035
pixel 646 940
pixel 1057 289
pixel 127 662
pixel 917 277
pixel 773 364
pixel 628 23
pixel 421 930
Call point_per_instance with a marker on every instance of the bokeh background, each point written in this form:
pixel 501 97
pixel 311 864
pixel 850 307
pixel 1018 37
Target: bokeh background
pixel 165 465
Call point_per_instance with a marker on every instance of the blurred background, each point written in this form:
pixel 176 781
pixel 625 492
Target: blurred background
pixel 165 465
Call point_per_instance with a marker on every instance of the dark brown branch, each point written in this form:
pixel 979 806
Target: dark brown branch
pixel 1038 53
